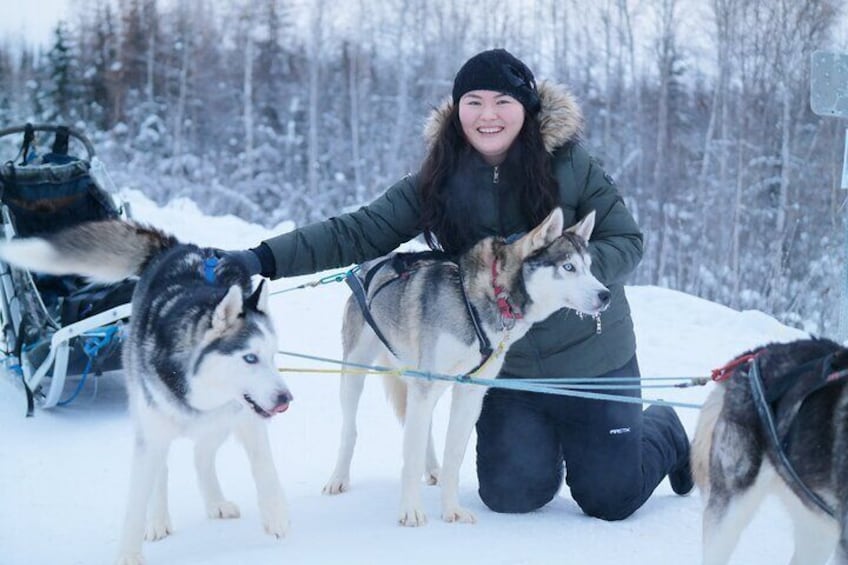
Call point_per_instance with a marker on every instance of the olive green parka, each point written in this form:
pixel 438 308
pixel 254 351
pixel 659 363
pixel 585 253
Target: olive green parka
pixel 564 345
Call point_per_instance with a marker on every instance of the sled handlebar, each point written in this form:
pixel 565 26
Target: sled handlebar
pixel 89 148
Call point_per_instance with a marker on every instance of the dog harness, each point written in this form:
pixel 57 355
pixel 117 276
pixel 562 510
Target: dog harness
pixel 786 394
pixel 404 264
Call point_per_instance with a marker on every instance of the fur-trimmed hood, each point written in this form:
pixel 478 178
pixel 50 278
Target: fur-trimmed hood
pixel 560 119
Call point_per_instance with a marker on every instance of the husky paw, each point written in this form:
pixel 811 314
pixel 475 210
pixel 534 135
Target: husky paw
pixel 130 559
pixel 412 517
pixel 460 515
pixel 158 529
pixel 277 524
pixel 336 486
pixel 223 510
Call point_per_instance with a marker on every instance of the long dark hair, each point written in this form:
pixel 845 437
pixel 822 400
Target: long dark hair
pixel 529 164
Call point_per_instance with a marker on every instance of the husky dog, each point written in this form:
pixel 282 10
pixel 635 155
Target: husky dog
pixel 432 317
pixel 199 361
pixel 736 461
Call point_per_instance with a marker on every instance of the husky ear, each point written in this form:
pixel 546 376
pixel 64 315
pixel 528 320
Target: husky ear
pixel 584 227
pixel 259 299
pixel 228 310
pixel 544 233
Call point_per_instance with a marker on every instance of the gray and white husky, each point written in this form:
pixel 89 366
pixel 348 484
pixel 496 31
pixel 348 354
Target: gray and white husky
pixel 199 361
pixel 736 460
pixel 427 315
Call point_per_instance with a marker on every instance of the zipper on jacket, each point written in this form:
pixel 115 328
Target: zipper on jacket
pixel 496 174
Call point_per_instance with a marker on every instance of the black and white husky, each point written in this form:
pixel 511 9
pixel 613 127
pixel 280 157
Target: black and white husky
pixel 799 452
pixel 433 316
pixel 199 361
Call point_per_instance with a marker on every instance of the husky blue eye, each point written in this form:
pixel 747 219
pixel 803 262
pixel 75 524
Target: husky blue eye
pixel 568 267
pixel 251 358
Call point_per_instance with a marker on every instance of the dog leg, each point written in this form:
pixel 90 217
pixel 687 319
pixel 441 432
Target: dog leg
pixel 253 434
pixel 726 516
pixel 432 470
pixel 149 455
pixel 420 401
pixel 205 450
pixel 840 556
pixel 350 390
pixel 816 534
pixel 158 519
pixel 815 538
pixel 466 404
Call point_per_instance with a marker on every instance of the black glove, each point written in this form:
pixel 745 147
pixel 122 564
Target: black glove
pixel 245 257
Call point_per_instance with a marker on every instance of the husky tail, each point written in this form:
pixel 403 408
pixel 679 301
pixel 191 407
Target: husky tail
pixel 702 444
pixel 106 251
pixel 395 388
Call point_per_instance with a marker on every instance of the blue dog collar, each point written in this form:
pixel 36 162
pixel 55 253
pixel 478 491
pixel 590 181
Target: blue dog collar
pixel 209 269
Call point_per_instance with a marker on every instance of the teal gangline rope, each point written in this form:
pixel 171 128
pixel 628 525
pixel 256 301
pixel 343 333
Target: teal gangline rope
pixel 688 380
pixel 332 278
pixel 509 383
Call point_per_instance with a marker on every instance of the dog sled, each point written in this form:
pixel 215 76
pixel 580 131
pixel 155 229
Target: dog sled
pixel 57 330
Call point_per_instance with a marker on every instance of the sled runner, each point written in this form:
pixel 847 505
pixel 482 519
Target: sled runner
pixel 57 329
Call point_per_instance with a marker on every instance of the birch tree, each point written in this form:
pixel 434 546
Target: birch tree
pixel 247 84
pixel 666 55
pixel 315 58
pixel 183 47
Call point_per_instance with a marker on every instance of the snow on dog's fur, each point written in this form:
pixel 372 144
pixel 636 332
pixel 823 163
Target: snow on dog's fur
pixel 199 361
pixel 428 325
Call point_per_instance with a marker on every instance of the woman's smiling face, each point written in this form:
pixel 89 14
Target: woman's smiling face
pixel 490 121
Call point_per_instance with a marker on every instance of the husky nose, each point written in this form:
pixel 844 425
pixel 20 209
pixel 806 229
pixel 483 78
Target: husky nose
pixel 282 403
pixel 604 297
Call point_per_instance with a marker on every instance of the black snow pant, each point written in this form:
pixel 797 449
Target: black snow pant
pixel 615 453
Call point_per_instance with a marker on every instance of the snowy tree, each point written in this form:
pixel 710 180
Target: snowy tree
pixel 279 109
pixel 63 87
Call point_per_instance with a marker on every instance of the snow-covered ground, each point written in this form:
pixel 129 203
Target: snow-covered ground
pixel 64 473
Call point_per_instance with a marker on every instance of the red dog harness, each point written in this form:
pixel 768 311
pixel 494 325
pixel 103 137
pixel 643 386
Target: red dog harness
pixel 509 313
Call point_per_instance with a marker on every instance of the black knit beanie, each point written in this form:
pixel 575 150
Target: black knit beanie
pixel 498 70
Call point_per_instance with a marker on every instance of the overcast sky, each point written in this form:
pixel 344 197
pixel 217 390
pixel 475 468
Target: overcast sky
pixel 33 20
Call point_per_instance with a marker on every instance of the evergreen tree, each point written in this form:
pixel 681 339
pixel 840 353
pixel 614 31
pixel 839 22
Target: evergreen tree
pixel 63 83
pixel 7 77
pixel 105 89
pixel 134 47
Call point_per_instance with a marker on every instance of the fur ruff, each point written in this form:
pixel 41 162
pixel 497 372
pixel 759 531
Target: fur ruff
pixel 560 119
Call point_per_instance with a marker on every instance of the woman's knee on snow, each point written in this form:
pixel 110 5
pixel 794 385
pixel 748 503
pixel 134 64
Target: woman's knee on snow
pixel 515 492
pixel 609 504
